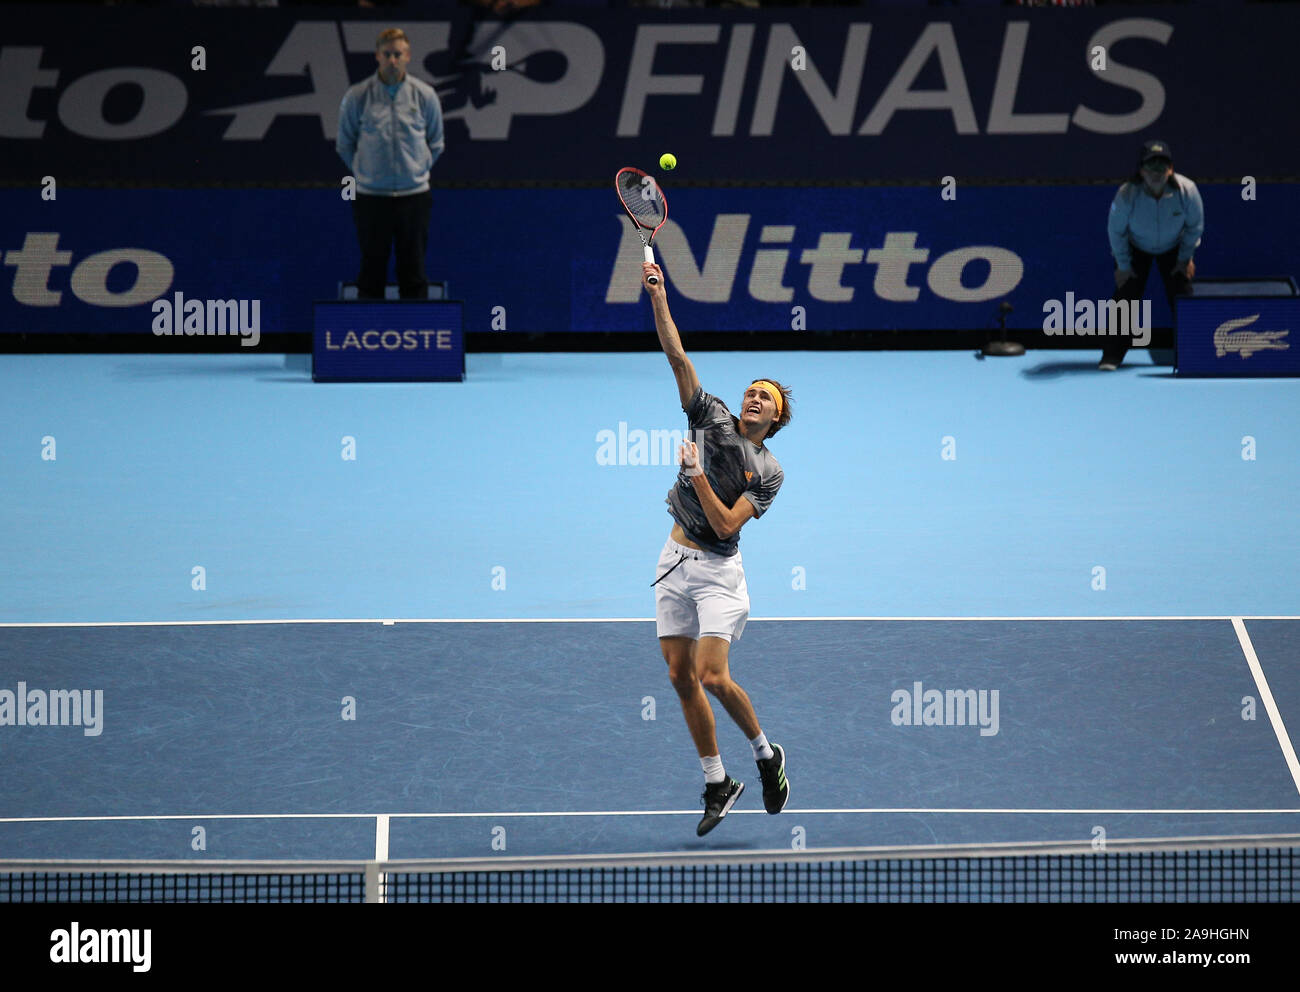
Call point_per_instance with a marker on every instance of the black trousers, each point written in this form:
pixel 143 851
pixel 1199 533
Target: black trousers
pixel 1176 284
pixel 388 222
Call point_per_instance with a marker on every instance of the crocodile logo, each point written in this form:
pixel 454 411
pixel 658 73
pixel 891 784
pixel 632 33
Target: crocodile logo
pixel 1228 337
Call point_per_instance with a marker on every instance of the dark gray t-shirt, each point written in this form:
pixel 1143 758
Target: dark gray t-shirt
pixel 734 465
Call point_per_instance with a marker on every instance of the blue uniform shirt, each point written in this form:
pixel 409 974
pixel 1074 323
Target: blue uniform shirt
pixel 390 136
pixel 1156 225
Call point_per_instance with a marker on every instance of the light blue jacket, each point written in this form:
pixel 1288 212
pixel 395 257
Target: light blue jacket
pixel 389 143
pixel 1156 226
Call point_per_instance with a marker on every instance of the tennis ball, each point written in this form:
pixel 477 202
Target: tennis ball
pixel 667 161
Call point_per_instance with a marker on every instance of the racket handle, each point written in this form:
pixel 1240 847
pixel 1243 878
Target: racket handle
pixel 650 257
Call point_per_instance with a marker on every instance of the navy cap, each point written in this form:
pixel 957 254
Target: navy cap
pixel 1155 149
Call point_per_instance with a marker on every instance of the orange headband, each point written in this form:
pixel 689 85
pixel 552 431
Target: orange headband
pixel 775 393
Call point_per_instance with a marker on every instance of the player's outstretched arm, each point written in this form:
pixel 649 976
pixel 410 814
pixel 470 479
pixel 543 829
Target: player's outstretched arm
pixel 669 340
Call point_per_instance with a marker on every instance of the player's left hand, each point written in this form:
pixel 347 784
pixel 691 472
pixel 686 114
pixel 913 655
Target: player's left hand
pixel 649 269
pixel 689 456
pixel 1190 270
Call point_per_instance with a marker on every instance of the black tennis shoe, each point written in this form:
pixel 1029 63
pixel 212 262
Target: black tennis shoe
pixel 776 787
pixel 718 800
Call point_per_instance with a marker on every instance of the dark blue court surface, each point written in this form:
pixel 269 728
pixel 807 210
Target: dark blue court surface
pixel 442 740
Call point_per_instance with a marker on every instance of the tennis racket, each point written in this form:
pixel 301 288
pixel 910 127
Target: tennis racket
pixel 645 204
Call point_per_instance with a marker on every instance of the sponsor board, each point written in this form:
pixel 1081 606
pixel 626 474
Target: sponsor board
pixel 386 341
pixel 1238 337
pixel 229 96
pixel 773 259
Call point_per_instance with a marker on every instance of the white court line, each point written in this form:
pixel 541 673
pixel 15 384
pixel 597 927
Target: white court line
pixel 391 622
pixel 381 854
pixel 631 859
pixel 625 812
pixel 1261 683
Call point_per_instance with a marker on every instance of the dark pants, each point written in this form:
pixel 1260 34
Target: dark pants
pixel 1176 284
pixel 388 222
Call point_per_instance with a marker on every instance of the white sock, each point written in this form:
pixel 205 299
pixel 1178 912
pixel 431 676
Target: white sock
pixel 713 773
pixel 762 749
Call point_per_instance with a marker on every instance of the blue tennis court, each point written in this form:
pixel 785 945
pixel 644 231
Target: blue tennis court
pixel 998 602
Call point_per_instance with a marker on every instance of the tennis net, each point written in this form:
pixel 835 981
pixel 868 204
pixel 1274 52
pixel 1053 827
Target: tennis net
pixel 1235 870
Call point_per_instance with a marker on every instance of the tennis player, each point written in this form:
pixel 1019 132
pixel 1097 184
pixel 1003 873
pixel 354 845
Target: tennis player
pixel 728 477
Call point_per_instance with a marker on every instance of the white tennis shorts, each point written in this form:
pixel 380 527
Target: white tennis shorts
pixel 704 596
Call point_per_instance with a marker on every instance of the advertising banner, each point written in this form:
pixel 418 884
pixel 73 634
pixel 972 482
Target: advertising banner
pixel 570 95
pixel 250 262
pixel 408 341
pixel 1238 336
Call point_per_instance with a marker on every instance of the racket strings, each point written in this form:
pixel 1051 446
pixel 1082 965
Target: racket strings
pixel 642 199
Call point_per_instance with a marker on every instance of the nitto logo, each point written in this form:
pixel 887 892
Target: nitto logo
pixel 1228 338
pixel 34 264
pixel 772 280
